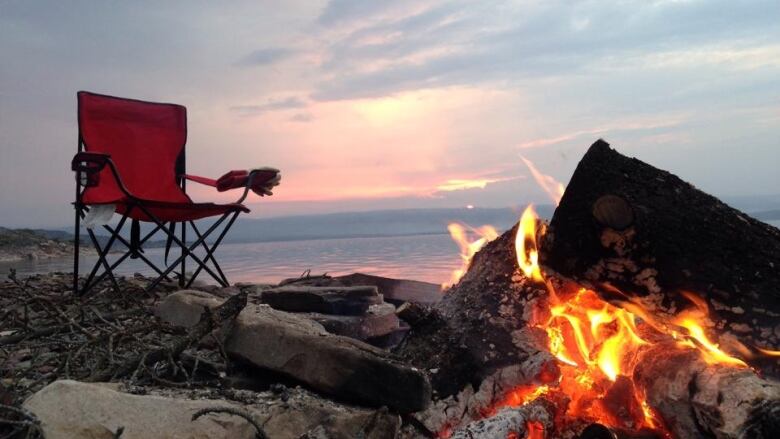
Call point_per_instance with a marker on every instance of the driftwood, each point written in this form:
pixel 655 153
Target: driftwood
pixel 624 222
pixel 700 400
pixel 209 321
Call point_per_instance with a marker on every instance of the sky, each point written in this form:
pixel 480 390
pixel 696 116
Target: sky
pixel 380 105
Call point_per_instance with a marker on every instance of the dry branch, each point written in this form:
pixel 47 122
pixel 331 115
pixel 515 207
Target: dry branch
pixel 209 321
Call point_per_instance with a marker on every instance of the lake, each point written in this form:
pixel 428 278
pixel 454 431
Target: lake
pixel 421 257
pixel 428 258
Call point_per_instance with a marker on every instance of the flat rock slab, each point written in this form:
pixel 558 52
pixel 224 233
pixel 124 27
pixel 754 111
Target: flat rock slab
pixel 75 410
pixel 397 291
pixel 301 348
pixel 353 301
pixel 379 320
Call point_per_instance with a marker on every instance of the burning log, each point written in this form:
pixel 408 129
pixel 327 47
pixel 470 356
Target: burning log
pixel 530 421
pixel 647 232
pixel 697 399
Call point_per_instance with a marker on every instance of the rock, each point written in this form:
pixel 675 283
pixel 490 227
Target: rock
pixel 301 348
pixel 71 410
pixel 397 291
pixel 336 365
pixel 352 301
pixel 379 320
pixel 184 308
pixel 392 339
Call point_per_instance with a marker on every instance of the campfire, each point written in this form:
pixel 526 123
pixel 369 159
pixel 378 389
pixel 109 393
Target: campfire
pixel 572 329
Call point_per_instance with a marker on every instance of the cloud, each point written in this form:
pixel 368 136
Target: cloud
pixel 458 43
pixel 262 57
pixel 341 11
pixel 464 184
pixel 302 117
pixel 271 105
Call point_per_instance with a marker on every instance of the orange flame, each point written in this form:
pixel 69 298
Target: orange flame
pixel 769 352
pixel 468 246
pixel 525 245
pixel 551 186
pixel 693 320
pixel 597 342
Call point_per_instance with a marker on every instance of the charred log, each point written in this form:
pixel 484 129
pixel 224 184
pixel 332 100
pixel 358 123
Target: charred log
pixel 624 222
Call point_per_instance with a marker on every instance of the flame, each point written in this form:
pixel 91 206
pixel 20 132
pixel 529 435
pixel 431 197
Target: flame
pixel 468 246
pixel 525 245
pixel 692 321
pixel 551 186
pixel 769 352
pixel 598 343
pixel 522 395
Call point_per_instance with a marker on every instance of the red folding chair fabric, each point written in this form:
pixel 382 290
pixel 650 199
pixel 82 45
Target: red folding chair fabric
pixel 144 140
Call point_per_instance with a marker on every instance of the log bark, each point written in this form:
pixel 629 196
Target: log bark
pixel 697 399
pixel 650 233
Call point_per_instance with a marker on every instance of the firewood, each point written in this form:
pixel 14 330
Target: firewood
pixel 537 416
pixel 697 399
pixel 644 230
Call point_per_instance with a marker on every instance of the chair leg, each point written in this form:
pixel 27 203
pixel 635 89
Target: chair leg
pixel 140 243
pixel 209 253
pixel 182 278
pixel 76 243
pixel 187 250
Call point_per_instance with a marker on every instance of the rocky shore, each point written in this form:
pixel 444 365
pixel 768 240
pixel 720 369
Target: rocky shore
pixel 308 358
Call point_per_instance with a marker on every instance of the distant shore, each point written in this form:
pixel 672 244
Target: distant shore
pixel 27 244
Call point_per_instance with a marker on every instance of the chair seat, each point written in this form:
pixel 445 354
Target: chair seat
pixel 178 212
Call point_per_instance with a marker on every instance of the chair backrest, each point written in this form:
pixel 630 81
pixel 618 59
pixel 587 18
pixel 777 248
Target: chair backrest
pixel 145 141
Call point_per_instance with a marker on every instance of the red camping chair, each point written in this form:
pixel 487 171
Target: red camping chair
pixel 131 156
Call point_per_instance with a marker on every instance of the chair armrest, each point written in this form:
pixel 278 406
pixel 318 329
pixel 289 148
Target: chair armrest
pixel 259 181
pixel 202 180
pixel 88 166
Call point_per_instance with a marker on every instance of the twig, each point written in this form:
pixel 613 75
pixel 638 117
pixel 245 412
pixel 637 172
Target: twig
pixel 208 322
pixel 260 434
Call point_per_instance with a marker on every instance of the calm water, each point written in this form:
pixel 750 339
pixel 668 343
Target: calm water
pixel 423 257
